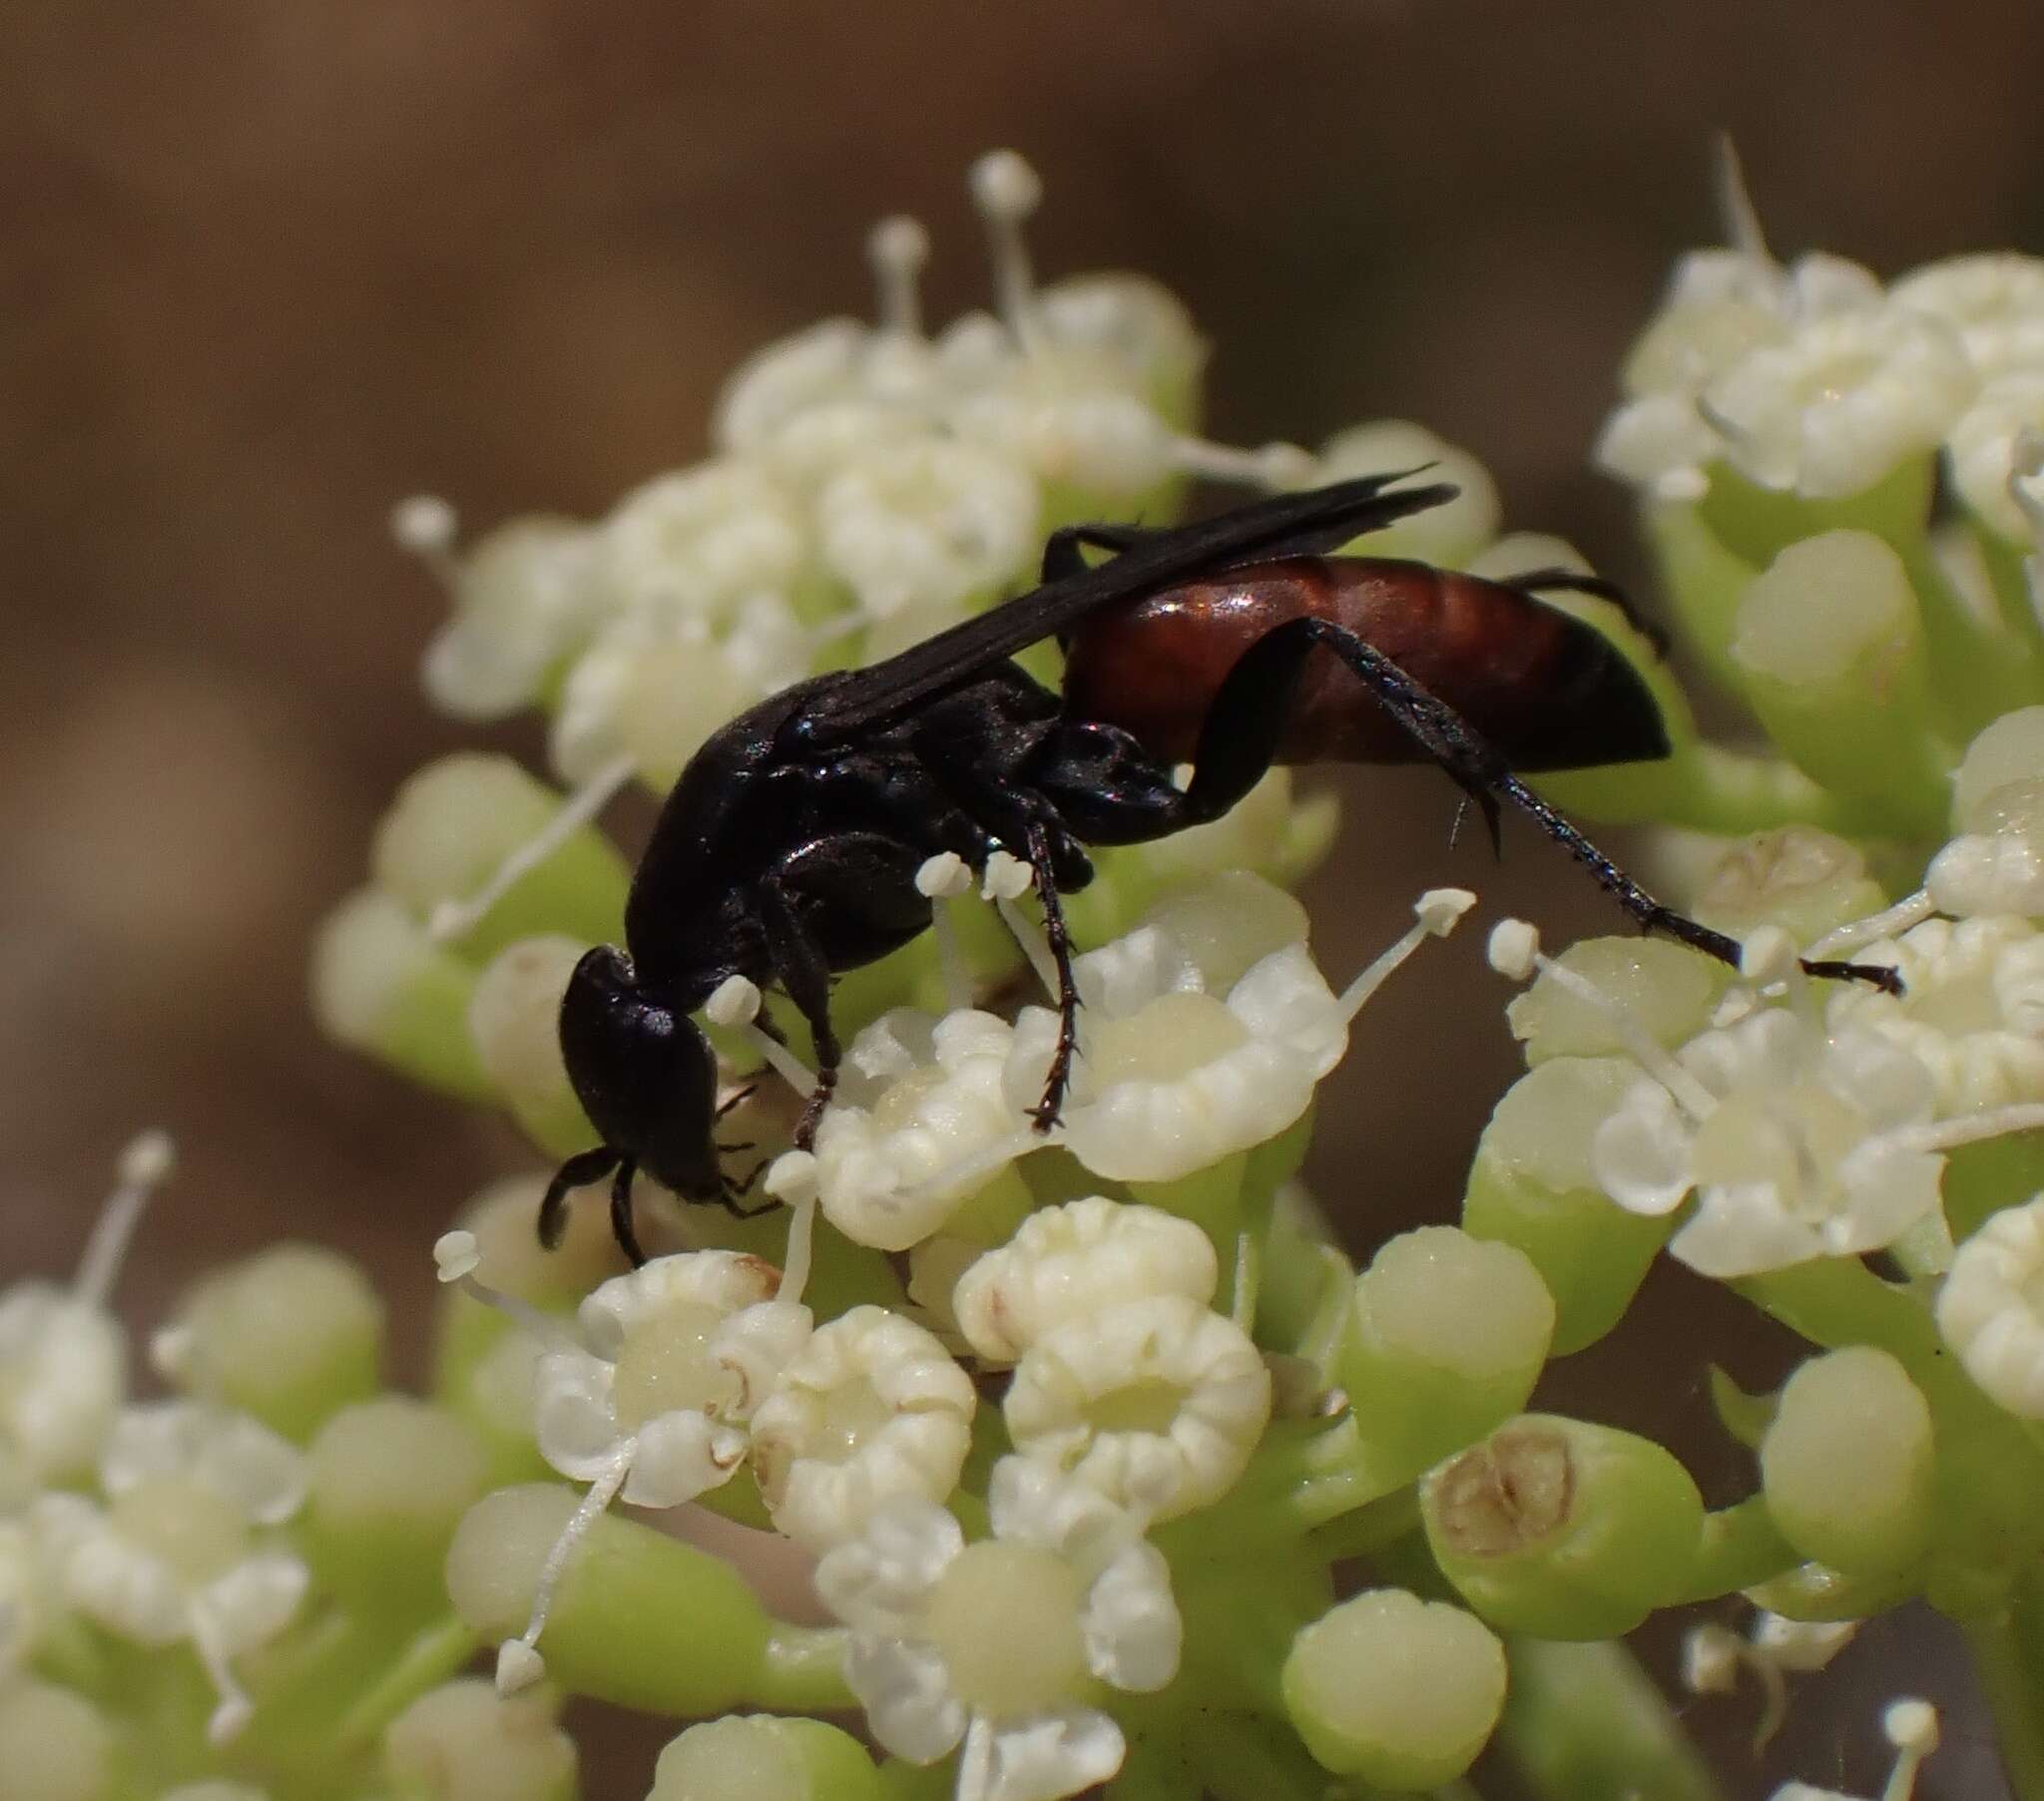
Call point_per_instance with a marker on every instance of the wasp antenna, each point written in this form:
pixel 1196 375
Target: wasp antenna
pixel 425 526
pixel 1735 210
pixel 1007 191
pixel 898 247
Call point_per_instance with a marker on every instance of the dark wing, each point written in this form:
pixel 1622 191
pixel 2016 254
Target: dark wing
pixel 1286 525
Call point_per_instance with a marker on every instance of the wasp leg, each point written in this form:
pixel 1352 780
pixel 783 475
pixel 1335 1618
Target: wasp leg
pixel 1056 1079
pixel 1537 582
pixel 1239 739
pixel 621 1212
pixel 578 1171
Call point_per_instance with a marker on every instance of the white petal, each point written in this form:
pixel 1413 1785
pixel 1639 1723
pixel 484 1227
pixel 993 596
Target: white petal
pixel 879 1580
pixel 253 1601
pixel 1886 1190
pixel 679 1456
pixel 1047 1756
pixel 906 1693
pixel 242 1459
pixel 1741 1229
pixel 1133 1632
pixel 573 1423
pixel 1641 1154
pixel 127 1590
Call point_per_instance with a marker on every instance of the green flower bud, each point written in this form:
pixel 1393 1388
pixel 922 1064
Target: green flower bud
pixel 292 1335
pixel 1448 1337
pixel 514 1018
pixel 382 987
pixel 2010 750
pixel 757 1757
pixel 58 1747
pixel 451 828
pixel 1400 1692
pixel 1563 1528
pixel 639 1619
pixel 1831 647
pixel 390 1480
pixel 1665 988
pixel 1848 1466
pixel 464 1742
pixel 1449 533
pixel 1806 881
pixel 1530 1187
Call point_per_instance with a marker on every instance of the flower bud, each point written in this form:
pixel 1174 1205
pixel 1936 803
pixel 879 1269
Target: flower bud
pixel 1668 989
pixel 59 1748
pixel 638 1619
pixel 2008 751
pixel 1848 1465
pixel 514 1018
pixel 390 1481
pixel 465 1742
pixel 1831 647
pixel 1449 1335
pixel 758 1757
pixel 1449 533
pixel 1531 1186
pixel 1563 1528
pixel 1398 1691
pixel 291 1335
pixel 453 825
pixel 381 986
pixel 523 599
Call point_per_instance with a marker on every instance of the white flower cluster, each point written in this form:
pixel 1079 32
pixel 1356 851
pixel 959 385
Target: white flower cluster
pixel 1816 380
pixel 868 481
pixel 155 1521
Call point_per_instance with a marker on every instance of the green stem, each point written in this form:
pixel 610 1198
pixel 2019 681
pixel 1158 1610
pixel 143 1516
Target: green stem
pixel 2015 1697
pixel 1584 1723
pixel 1741 1545
pixel 434 1656
pixel 802 1672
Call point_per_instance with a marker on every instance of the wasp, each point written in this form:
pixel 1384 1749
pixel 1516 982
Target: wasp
pixel 789 850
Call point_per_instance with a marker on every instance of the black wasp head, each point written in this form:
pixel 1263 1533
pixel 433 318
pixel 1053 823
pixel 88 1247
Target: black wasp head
pixel 644 1074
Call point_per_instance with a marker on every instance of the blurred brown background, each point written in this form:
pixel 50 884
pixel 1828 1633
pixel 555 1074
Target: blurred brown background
pixel 267 268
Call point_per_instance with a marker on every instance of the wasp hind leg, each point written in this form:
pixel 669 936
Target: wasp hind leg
pixel 578 1171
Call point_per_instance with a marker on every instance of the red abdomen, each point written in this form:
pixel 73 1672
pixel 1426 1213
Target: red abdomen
pixel 1547 691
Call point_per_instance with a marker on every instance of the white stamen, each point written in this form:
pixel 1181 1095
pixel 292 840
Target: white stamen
pixel 1280 467
pixel 1949 1135
pixel 1911 1727
pixel 1007 877
pixel 792 1178
pixel 1006 191
pixel 802 1235
pixel 790 1068
pixel 519 1671
pixel 1911 910
pixel 898 247
pixel 1740 220
pixel 1436 911
pixel 458 1257
pixel 1515 952
pixel 425 526
pixel 144 1167
pixel 734 1001
pixel 943 876
pixel 235 1709
pixel 452 918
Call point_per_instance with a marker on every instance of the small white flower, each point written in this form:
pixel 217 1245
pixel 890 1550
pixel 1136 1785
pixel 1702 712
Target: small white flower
pixel 1172 1078
pixel 1842 402
pixel 656 680
pixel 177 1551
pixel 1068 1261
pixel 1971 1014
pixel 63 1371
pixel 1079 1598
pixel 703 540
pixel 871 1411
pixel 1186 1392
pixel 526 597
pixel 679 1353
pixel 920 1122
pixel 1991 1308
pixel 1982 446
pixel 1993 301
pixel 1068 420
pixel 1785 1146
pixel 926 524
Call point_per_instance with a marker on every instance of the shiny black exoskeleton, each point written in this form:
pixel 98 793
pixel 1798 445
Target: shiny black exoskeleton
pixel 789 848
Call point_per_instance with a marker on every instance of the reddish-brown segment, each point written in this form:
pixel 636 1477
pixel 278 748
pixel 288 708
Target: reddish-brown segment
pixel 1546 691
